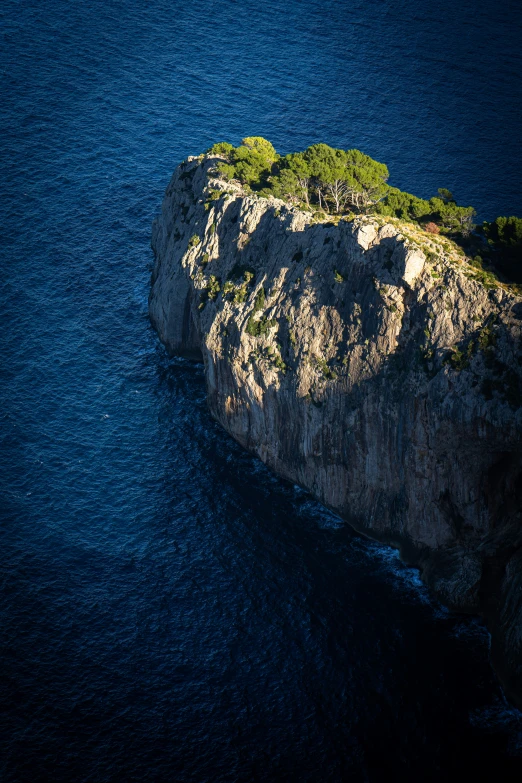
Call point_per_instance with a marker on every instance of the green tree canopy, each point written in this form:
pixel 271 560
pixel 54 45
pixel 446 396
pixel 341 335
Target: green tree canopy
pixel 445 194
pixel 300 168
pixel 348 180
pixel 221 148
pixel 261 146
pixel 337 177
pixel 504 237
pixel 284 185
pixel 251 162
pixel 325 164
pixel 404 205
pixel 366 179
pixel 505 231
pixel 452 217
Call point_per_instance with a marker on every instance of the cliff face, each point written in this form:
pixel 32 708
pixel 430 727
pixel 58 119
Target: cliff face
pixel 367 362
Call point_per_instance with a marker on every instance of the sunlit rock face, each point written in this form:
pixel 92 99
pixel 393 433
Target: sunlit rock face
pixel 364 361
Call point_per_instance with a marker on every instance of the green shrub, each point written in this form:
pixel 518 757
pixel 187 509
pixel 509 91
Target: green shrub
pixel 487 338
pixel 504 237
pixel 256 328
pixel 194 241
pixel 250 163
pixel 458 359
pixel 259 301
pixel 213 287
pixel 228 288
pixel 215 195
pixel 328 373
pixel 260 327
pixel 221 148
pixel 403 205
pixel 504 231
pixel 279 363
pixel 226 171
pixel 238 283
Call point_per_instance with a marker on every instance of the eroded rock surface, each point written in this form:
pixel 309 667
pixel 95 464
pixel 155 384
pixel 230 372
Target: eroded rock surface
pixel 364 361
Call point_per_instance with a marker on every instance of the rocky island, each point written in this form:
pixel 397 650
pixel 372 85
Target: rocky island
pixel 361 355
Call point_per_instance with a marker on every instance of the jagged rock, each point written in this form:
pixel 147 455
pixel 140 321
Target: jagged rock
pixel 411 263
pixel 366 362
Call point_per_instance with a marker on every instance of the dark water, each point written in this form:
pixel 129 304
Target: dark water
pixel 170 610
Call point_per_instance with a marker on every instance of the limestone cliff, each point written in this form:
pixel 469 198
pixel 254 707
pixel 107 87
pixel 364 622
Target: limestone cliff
pixel 368 362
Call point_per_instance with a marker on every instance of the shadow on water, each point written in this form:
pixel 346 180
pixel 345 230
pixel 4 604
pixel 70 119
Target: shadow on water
pixel 372 671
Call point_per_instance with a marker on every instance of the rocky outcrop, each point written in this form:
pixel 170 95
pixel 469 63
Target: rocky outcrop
pixel 368 362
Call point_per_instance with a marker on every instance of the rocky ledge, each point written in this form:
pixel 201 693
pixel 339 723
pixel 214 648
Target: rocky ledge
pixel 368 362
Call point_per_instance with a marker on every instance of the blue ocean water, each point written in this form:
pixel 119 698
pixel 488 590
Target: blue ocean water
pixel 170 610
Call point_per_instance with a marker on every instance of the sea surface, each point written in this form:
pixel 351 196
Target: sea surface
pixel 170 610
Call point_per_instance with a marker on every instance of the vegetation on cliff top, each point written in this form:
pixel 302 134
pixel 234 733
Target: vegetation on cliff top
pixel 348 182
